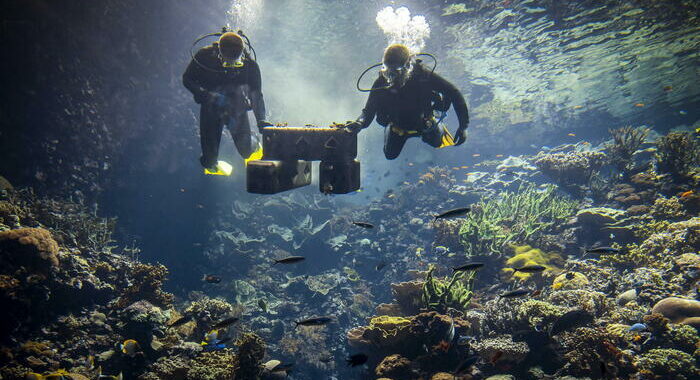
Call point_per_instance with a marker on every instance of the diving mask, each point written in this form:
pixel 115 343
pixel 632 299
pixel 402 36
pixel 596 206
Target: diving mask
pixel 396 76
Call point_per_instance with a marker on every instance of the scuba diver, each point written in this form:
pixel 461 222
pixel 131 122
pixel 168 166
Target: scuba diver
pixel 410 100
pixel 225 81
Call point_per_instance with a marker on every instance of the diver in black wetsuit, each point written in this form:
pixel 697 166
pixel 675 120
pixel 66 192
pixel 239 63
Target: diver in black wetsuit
pixel 226 81
pixel 405 98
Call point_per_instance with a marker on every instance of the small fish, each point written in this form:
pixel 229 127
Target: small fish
pixel 450 335
pixel 212 279
pixel 499 155
pixel 637 327
pixel 496 356
pixel 639 104
pixel 315 321
pixel 668 88
pixel 453 213
pixel 225 323
pixel 364 225
pixel 570 276
pixel 290 260
pixel 578 107
pixel 570 320
pixel 455 168
pixel 571 134
pixel 380 266
pixel 283 367
pixel 262 305
pixel 181 321
pixel 108 377
pixel 515 293
pixel 683 112
pixel 211 337
pixel 530 269
pixel 410 164
pixel 466 364
pixel 357 359
pixel 686 194
pixel 599 250
pixel 464 167
pixel 130 347
pixel 441 250
pixel 476 155
pixel 463 340
pixel 468 266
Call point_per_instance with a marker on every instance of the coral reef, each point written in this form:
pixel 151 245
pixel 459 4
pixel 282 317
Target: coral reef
pixel 29 247
pixel 679 310
pixel 668 362
pixel 146 283
pixel 678 154
pixel 626 141
pixel 524 255
pixel 394 366
pixel 571 170
pixel 514 217
pixel 455 293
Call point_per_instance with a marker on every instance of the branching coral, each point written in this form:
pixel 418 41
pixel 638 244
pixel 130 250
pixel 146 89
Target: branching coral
pixel 668 362
pixel 439 295
pixel 251 351
pixel 218 365
pixel 678 154
pixel 513 217
pixel 146 284
pixel 626 141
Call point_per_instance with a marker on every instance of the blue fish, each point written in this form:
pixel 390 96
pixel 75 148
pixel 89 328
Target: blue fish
pixel 637 327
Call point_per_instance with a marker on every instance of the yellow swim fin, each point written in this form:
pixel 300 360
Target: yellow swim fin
pixel 255 155
pixel 222 168
pixel 447 139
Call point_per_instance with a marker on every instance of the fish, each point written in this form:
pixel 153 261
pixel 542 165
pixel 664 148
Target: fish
pixel 283 367
pixel 683 112
pixel 456 212
pixel 637 327
pixel 515 293
pixel 570 276
pixel 686 194
pixel 639 104
pixel 578 107
pixel 476 155
pixel 364 224
pixel 357 359
pixel 130 347
pixel 600 250
pixel 212 337
pixel 530 269
pixel 315 321
pixel 212 279
pixel 463 340
pixel 464 167
pixel 496 357
pixel 380 266
pixel 571 134
pixel 441 250
pixel 468 266
pixel 181 321
pixel 450 335
pixel 263 305
pixel 224 323
pixel 108 377
pixel 570 320
pixel 668 88
pixel 290 260
pixel 466 364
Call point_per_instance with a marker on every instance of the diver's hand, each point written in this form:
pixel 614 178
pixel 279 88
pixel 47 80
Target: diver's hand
pixel 353 127
pixel 262 124
pixel 213 97
pixel 460 136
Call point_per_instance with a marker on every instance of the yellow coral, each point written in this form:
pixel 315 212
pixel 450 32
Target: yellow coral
pixel 570 280
pixel 526 255
pixel 351 274
pixel 389 326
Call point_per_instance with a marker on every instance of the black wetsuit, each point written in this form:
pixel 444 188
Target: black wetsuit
pixel 410 108
pixel 241 90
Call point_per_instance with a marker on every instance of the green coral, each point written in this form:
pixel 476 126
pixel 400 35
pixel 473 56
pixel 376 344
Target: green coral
pixel 513 217
pixel 570 280
pixel 251 351
pixel 684 337
pixel 455 293
pixel 389 326
pixel 526 255
pixel 668 362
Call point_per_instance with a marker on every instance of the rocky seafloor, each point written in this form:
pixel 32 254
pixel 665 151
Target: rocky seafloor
pixel 72 295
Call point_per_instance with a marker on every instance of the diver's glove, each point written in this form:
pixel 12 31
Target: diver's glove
pixel 353 126
pixel 262 124
pixel 461 135
pixel 213 97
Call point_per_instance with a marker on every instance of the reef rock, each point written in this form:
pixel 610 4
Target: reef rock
pixel 511 351
pixel 679 310
pixel 395 367
pixel 30 247
pixel 598 217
